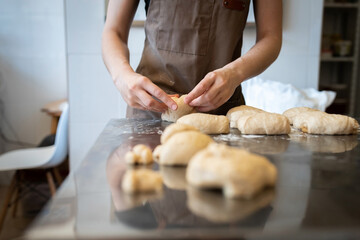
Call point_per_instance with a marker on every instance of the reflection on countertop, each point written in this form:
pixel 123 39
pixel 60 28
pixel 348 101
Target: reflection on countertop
pixel 213 206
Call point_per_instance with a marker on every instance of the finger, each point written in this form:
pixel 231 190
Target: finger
pixel 208 98
pixel 200 88
pixel 160 94
pixel 150 103
pixel 217 102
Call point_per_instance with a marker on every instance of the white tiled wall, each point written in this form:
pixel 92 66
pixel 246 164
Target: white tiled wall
pixel 93 98
pixel 300 52
pixel 32 65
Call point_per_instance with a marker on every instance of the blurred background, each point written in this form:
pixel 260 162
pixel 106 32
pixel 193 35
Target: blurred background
pixel 50 51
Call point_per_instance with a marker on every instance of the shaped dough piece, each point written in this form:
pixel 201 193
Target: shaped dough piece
pixel 235 113
pixel 141 180
pixel 179 149
pixel 207 123
pixel 264 123
pixel 140 154
pixel 175 128
pixel 239 173
pixel 292 112
pixel 156 153
pixel 182 109
pixel 317 122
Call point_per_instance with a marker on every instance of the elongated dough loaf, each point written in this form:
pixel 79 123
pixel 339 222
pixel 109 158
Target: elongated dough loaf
pixel 182 109
pixel 292 112
pixel 141 180
pixel 317 122
pixel 207 123
pixel 179 149
pixel 175 128
pixel 235 113
pixel 264 123
pixel 239 173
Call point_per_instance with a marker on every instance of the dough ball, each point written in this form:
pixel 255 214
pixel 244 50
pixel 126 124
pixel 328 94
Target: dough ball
pixel 317 122
pixel 240 174
pixel 207 123
pixel 179 149
pixel 235 113
pixel 264 123
pixel 140 154
pixel 156 153
pixel 175 128
pixel 182 109
pixel 141 180
pixel 292 112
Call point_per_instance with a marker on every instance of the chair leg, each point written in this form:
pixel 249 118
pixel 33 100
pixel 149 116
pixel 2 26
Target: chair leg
pixel 17 193
pixel 57 175
pixel 51 183
pixel 9 194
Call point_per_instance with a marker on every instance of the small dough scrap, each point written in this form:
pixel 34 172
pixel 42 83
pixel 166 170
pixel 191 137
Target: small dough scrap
pixel 292 112
pixel 175 128
pixel 207 123
pixel 141 180
pixel 264 123
pixel 179 149
pixel 182 109
pixel 318 122
pixel 140 154
pixel 235 113
pixel 238 172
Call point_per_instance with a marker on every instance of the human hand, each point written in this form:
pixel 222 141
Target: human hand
pixel 213 90
pixel 138 92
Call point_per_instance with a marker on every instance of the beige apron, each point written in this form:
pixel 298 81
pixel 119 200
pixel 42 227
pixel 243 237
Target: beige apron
pixel 186 39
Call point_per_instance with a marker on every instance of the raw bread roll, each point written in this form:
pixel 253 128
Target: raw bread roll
pixel 179 149
pixel 235 113
pixel 317 122
pixel 182 109
pixel 264 123
pixel 140 154
pixel 292 112
pixel 207 123
pixel 239 173
pixel 141 180
pixel 175 128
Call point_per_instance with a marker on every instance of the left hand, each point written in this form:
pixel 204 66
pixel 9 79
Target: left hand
pixel 212 91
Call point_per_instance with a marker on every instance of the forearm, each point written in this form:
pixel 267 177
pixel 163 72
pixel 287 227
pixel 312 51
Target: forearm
pixel 115 53
pixel 256 60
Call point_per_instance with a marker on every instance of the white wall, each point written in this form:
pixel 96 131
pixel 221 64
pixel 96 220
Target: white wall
pixel 32 65
pixel 92 96
pixel 298 62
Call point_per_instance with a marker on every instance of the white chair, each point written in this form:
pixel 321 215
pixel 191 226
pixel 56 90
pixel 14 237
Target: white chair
pixel 46 158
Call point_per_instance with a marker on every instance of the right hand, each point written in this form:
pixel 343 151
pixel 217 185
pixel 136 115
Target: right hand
pixel 138 92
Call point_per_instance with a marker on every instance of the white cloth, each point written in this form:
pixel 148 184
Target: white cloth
pixel 277 97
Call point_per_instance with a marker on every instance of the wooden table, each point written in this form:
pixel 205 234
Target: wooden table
pixel 54 109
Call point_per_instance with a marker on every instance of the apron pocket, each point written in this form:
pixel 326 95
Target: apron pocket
pixel 184 26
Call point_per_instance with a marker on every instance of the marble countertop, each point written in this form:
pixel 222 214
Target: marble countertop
pixel 317 194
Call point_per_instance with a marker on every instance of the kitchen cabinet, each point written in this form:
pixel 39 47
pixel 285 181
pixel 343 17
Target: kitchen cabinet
pixel 340 53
